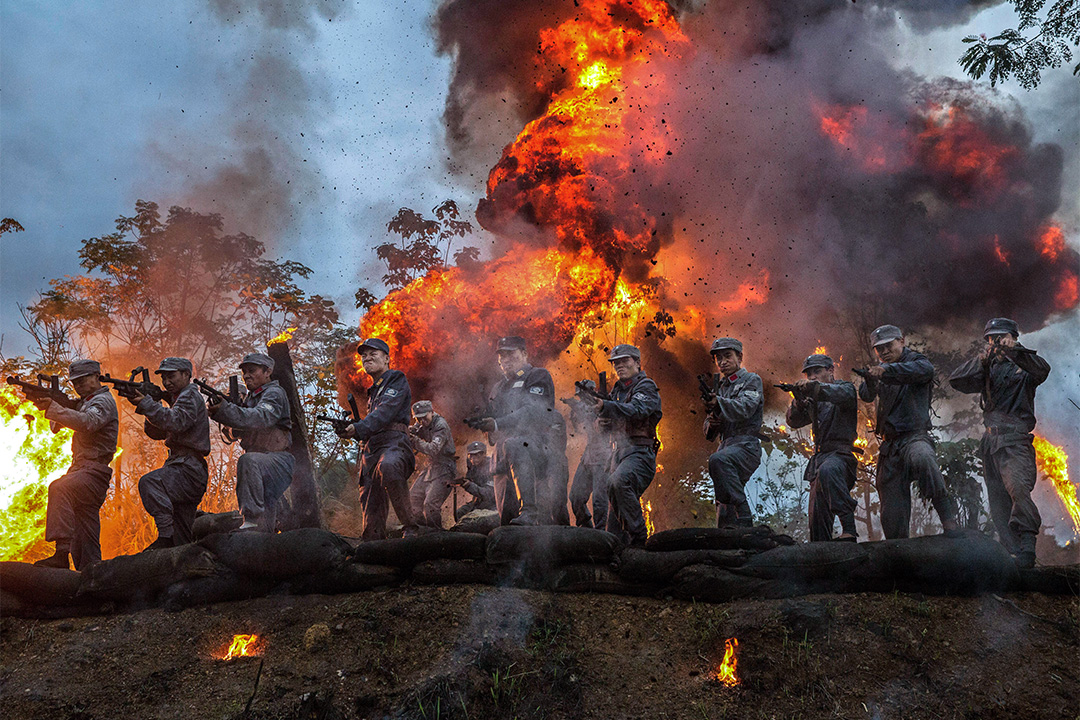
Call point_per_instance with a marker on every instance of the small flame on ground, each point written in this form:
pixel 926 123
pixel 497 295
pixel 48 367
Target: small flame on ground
pixel 1054 464
pixel 285 336
pixel 646 511
pixel 726 673
pixel 244 646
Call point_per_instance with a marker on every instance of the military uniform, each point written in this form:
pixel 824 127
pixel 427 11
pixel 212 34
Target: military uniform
pixel 906 453
pixel 736 422
pixel 434 483
pixel 591 475
pixel 1006 382
pixel 172 493
pixel 634 409
pixel 73 514
pixel 263 424
pixel 831 409
pixel 479 482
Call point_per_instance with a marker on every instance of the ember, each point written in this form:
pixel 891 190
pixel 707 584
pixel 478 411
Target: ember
pixel 727 672
pixel 244 646
pixel 1054 464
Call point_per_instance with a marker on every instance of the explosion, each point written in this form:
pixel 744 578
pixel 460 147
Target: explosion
pixel 1054 464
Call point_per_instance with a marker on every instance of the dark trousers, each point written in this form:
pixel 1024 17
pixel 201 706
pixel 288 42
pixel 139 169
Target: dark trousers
pixel 261 480
pixel 384 479
pixel 730 468
pixel 831 476
pixel 1009 470
pixel 428 494
pixel 902 461
pixel 72 517
pixel 172 493
pixel 558 477
pixel 590 479
pixel 631 475
pixel 521 490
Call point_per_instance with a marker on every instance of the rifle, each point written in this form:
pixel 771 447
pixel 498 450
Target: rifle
pixel 51 391
pixel 705 386
pixel 127 388
pixel 863 372
pixel 479 415
pixel 786 387
pixel 215 394
pixel 348 417
pixel 598 393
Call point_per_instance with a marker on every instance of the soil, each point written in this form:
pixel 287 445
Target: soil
pixel 481 652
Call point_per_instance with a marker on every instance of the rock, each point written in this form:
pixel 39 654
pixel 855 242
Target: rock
pixel 316 637
pixel 478 521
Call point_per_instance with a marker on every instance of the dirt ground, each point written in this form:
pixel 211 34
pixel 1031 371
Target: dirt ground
pixel 481 652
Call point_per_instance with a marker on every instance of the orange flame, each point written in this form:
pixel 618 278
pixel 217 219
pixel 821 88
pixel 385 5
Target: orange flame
pixel 1051 242
pixel 726 673
pixel 1054 464
pixel 284 336
pixel 244 646
pixel 821 350
pixel 646 511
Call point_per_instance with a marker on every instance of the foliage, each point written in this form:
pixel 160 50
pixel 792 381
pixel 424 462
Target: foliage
pixel 1022 53
pixel 10 225
pixel 961 466
pixel 421 243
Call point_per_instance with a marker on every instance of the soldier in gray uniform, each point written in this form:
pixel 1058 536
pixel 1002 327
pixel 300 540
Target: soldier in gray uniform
pixel 735 409
pixel 478 481
pixel 1005 375
pixel 72 517
pixel 431 439
pixel 591 476
pixel 172 492
pixel 262 423
pixel 901 384
pixel 634 411
pixel 831 409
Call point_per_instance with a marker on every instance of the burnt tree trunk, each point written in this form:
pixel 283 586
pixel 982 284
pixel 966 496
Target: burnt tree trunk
pixel 305 501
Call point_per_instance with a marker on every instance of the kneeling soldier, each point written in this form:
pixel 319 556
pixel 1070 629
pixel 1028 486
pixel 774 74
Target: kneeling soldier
pixel 478 481
pixel 831 409
pixel 431 437
pixel 72 517
pixel 263 425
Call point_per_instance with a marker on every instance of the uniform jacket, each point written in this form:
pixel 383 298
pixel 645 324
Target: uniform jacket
pixel 524 405
pixel 741 407
pixel 184 425
pixel 832 410
pixel 903 395
pixel 263 420
pixel 1006 384
pixel 634 409
pixel 389 410
pixel 96 424
pixel 436 443
pixel 479 484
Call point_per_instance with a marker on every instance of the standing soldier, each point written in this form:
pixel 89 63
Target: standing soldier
pixel 387 460
pixel 431 437
pixel 736 407
pixel 519 425
pixel 72 517
pixel 172 493
pixel 1006 375
pixel 902 384
pixel 831 409
pixel 634 409
pixel 263 424
pixel 478 481
pixel 591 476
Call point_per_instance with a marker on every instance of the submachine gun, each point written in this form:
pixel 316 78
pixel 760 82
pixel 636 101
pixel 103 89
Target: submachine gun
pixel 218 396
pixel 600 392
pixel 348 417
pixel 706 384
pixel 479 415
pixel 131 386
pixel 40 391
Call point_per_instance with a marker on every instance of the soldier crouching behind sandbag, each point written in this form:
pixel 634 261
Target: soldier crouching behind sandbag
pixel 431 438
pixel 263 425
pixel 72 517
pixel 478 481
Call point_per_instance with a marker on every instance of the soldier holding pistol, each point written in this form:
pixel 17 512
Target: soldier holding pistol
pixel 431 438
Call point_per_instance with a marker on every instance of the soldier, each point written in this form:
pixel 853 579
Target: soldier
pixel 902 384
pixel 736 407
pixel 72 517
pixel 591 476
pixel 1006 375
pixel 831 409
pixel 634 409
pixel 521 407
pixel 431 437
pixel 172 492
pixel 478 481
pixel 387 460
pixel 263 425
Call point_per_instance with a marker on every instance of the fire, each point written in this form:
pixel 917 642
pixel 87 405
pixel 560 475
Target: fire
pixel 1054 464
pixel 726 673
pixel 1051 242
pixel 646 511
pixel 821 350
pixel 244 646
pixel 284 336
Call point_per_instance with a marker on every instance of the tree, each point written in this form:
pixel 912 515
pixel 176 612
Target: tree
pixel 421 244
pixel 1039 42
pixel 10 225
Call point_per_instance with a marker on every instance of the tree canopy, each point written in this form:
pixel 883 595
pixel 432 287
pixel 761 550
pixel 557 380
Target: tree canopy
pixel 1043 39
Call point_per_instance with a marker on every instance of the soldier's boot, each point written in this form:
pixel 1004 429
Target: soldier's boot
pixel 1025 556
pixel 59 559
pixel 161 542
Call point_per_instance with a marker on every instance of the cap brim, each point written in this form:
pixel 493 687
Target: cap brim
pixel 81 375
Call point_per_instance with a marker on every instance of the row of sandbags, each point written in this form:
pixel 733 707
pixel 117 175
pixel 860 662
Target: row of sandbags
pixel 694 563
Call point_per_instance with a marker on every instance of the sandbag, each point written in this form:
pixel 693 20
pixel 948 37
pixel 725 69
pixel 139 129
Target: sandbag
pixel 593 578
pixel 406 552
pixel 757 538
pixel 936 565
pixel 550 545
pixel 453 572
pixel 278 556
pixel 645 566
pixel 815 567
pixel 12 605
pixel 37 585
pixel 1054 580
pixel 223 586
pixel 478 521
pixel 137 578
pixel 210 523
pixel 348 577
pixel 716 584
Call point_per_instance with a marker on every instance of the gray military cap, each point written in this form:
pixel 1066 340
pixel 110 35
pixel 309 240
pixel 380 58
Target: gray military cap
pixel 624 351
pixel 725 343
pixel 817 360
pixel 1001 326
pixel 511 342
pixel 422 407
pixel 885 334
pixel 173 364
pixel 476 447
pixel 258 359
pixel 374 344
pixel 82 368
